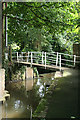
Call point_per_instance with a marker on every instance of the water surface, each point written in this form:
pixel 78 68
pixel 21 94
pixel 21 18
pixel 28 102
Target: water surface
pixel 25 96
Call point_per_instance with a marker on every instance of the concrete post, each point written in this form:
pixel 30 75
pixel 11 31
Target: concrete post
pixel 29 73
pixel 29 84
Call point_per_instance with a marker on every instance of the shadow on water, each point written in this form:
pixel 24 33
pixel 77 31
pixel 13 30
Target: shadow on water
pixel 24 97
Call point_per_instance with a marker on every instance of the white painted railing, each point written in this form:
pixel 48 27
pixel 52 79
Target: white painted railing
pixel 46 58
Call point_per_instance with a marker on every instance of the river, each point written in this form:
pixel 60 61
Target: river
pixel 63 102
pixel 25 96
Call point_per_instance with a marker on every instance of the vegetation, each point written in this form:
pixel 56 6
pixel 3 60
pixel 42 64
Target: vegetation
pixel 42 107
pixel 40 111
pixel 40 26
pixel 43 26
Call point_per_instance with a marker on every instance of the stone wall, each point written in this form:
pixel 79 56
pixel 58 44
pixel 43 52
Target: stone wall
pixel 2 83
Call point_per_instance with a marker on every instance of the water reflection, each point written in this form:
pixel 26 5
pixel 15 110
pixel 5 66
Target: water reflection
pixel 28 84
pixel 1 113
pixel 25 96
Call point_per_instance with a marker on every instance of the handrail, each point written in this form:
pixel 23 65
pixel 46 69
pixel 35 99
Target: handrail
pixel 45 58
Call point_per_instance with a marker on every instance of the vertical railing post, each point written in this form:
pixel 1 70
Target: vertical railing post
pixel 17 57
pixel 57 59
pixel 28 57
pixel 31 114
pixel 60 62
pixel 45 60
pixel 74 60
pixel 31 59
pixel 22 56
pixel 42 58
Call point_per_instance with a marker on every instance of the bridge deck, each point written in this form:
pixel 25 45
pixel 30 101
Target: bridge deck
pixel 41 65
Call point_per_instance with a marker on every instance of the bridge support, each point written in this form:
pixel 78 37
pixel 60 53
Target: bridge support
pixel 3 92
pixel 29 73
pixel 58 74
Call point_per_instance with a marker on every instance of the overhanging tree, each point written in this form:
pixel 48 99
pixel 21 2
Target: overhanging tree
pixel 52 17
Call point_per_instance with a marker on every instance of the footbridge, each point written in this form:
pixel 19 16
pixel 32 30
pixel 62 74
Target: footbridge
pixel 54 60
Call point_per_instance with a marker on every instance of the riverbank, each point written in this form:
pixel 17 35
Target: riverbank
pixel 45 97
pixel 64 101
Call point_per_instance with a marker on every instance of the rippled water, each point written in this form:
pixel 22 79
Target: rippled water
pixel 25 96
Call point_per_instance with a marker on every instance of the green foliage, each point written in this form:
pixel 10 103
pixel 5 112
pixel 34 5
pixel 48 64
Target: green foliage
pixel 40 108
pixel 36 71
pixel 40 26
pixel 12 71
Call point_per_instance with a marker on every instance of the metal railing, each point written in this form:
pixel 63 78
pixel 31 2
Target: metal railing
pixel 47 58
